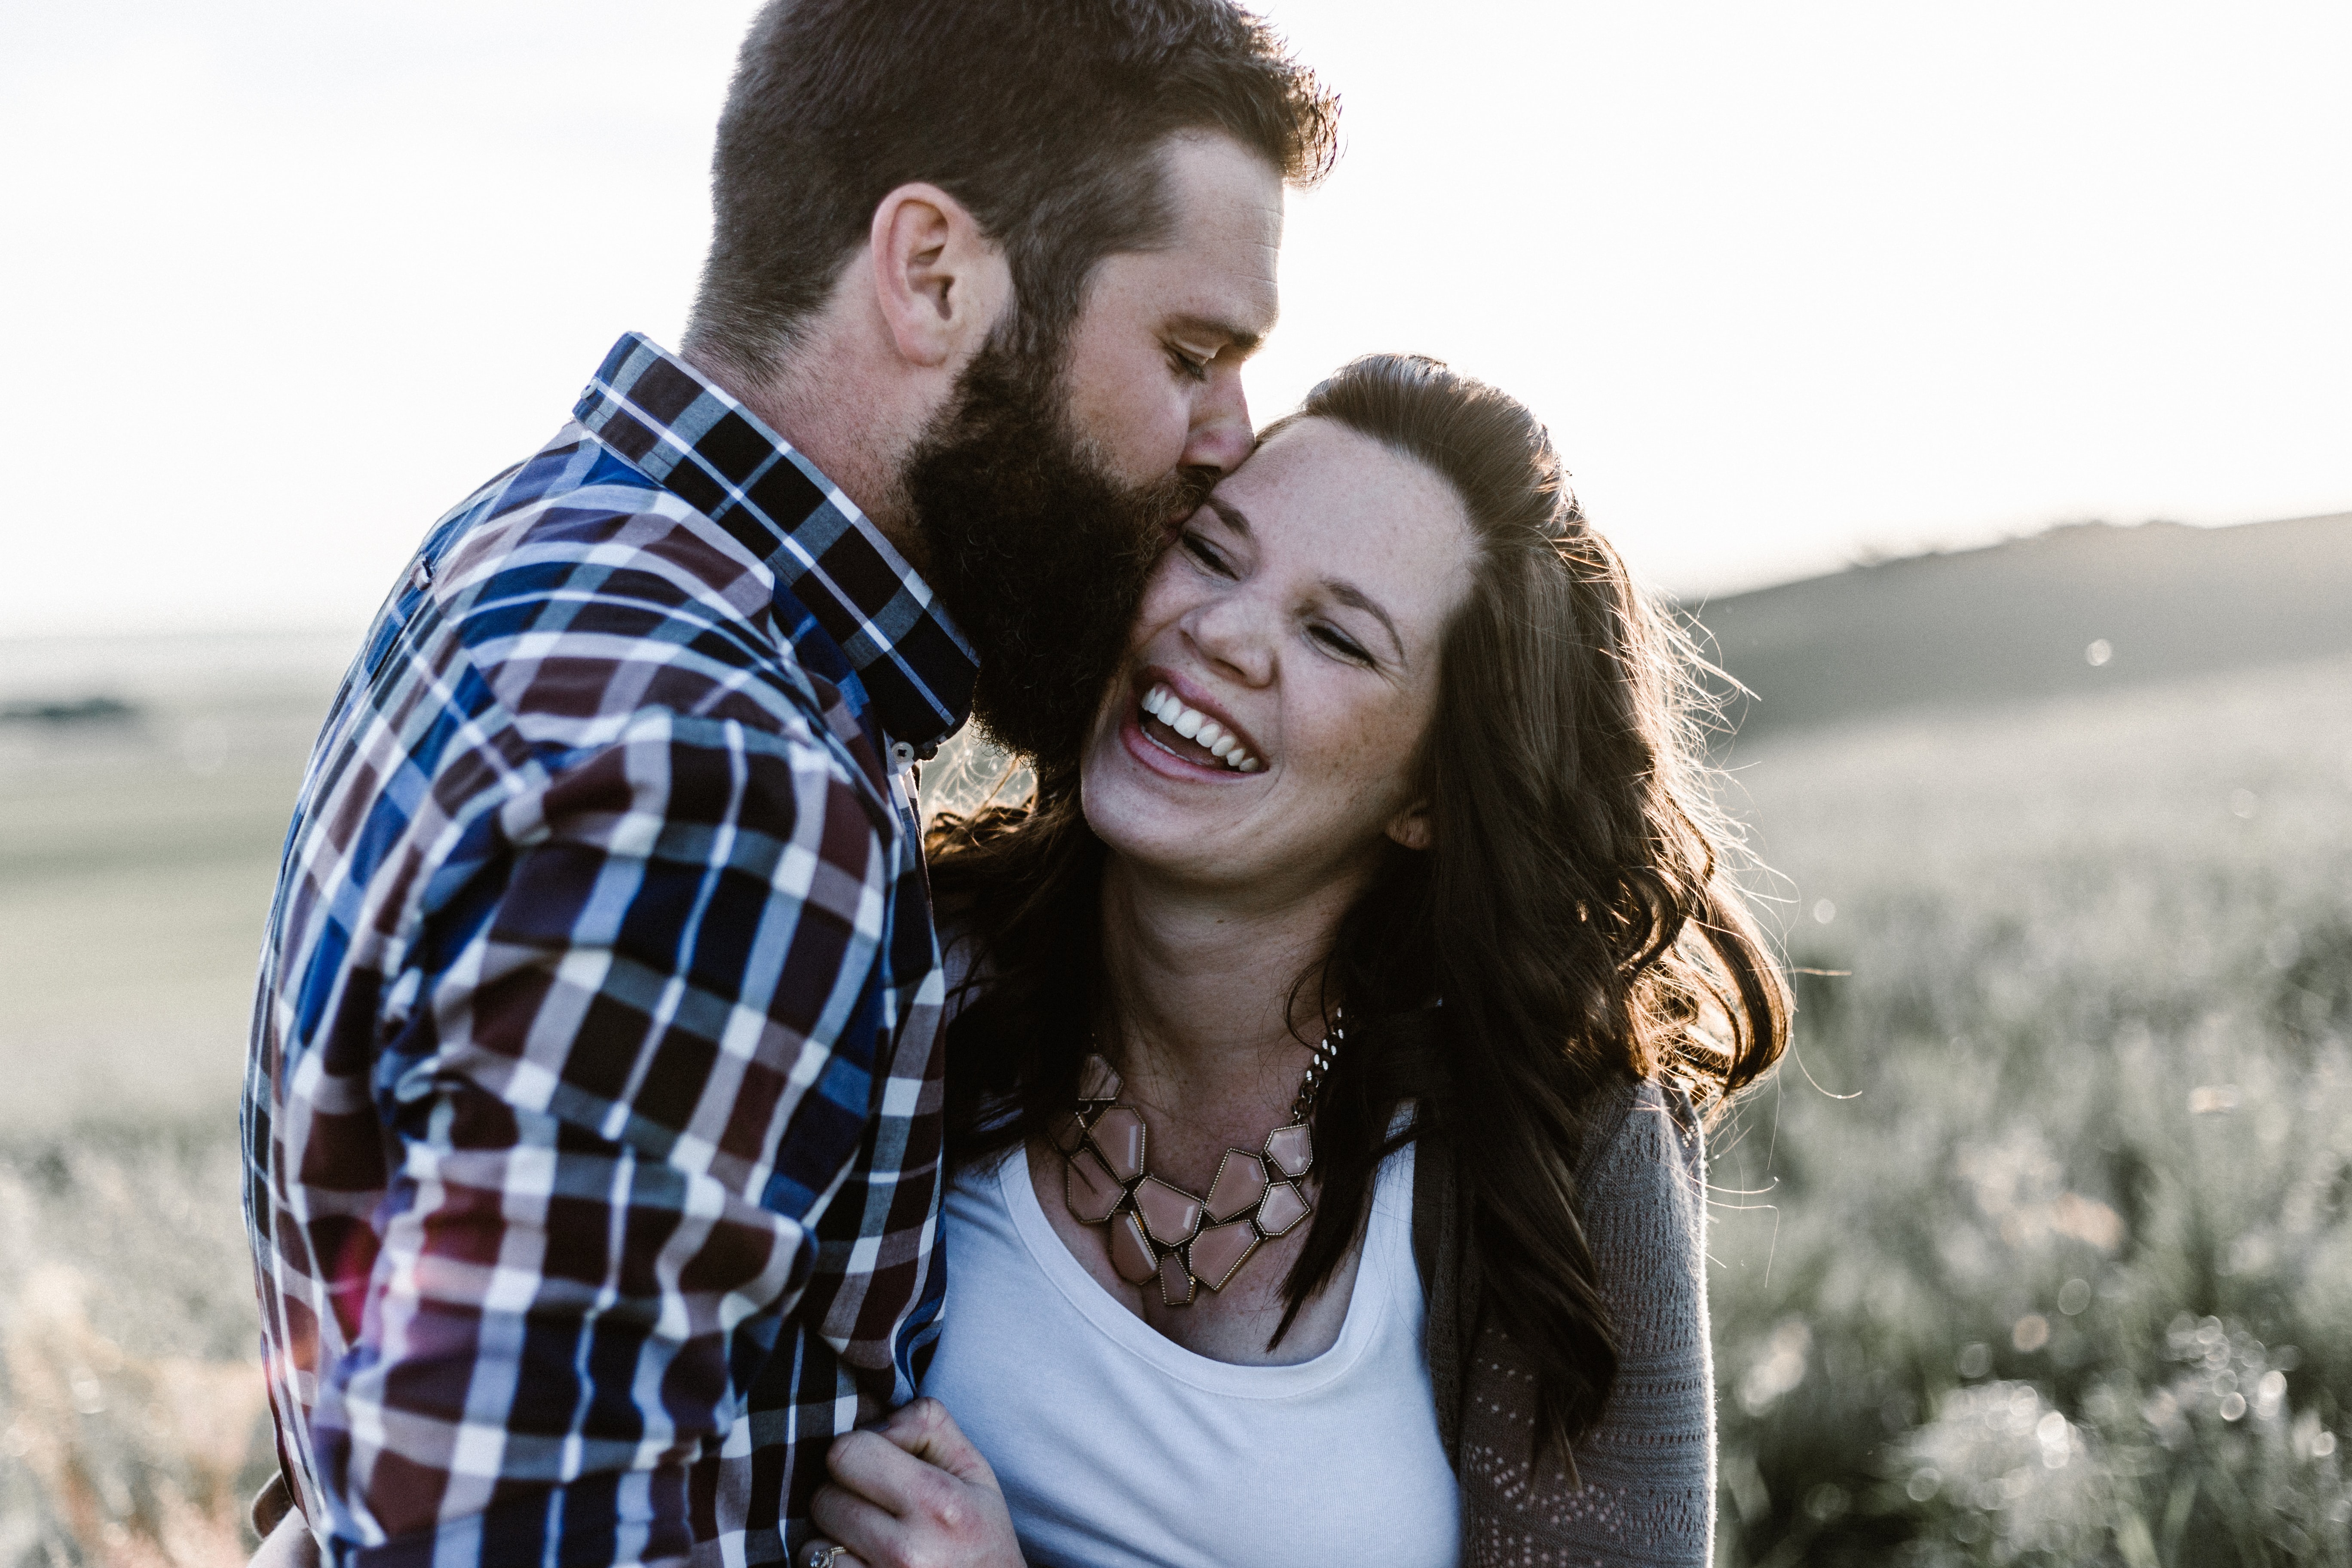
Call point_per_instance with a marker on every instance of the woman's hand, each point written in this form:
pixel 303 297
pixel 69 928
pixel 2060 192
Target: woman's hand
pixel 914 1493
pixel 288 1546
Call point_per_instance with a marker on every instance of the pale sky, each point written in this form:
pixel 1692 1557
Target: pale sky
pixel 287 279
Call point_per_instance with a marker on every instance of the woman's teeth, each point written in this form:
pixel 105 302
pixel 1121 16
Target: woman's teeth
pixel 1198 728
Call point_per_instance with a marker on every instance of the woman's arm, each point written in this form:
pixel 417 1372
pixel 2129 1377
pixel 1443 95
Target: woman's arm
pixel 1642 1492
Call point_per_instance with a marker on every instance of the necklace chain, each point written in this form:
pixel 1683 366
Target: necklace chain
pixel 1321 1060
pixel 1157 1230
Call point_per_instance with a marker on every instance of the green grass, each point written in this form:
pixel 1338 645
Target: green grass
pixel 2067 1134
pixel 136 862
pixel 2062 1164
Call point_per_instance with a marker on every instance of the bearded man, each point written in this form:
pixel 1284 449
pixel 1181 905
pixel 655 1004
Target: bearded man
pixel 593 1113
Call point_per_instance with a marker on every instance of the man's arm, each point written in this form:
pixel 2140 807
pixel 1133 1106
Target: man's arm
pixel 630 1084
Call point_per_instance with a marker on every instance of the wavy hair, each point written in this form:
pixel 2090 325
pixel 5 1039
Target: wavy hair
pixel 1574 919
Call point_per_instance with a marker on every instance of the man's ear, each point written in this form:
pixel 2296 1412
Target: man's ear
pixel 940 281
pixel 1410 827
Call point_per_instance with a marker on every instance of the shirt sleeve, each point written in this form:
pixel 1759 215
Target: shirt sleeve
pixel 637 1064
pixel 1643 1495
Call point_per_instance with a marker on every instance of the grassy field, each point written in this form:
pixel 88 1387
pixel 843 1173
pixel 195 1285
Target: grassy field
pixel 136 859
pixel 2037 1252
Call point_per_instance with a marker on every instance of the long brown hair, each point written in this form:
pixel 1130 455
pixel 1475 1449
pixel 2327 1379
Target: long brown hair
pixel 1573 919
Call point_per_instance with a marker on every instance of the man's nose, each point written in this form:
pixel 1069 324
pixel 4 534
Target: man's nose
pixel 1220 435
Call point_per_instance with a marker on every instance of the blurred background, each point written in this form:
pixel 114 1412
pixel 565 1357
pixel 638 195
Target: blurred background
pixel 1977 378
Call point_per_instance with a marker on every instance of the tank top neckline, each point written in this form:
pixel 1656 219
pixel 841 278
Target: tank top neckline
pixel 1367 1299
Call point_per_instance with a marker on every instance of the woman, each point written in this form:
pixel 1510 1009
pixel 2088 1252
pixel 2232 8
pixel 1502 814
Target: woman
pixel 1324 1104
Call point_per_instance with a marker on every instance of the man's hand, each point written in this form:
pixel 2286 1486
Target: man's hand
pixel 914 1493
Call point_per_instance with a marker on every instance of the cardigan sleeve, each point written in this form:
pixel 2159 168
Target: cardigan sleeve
pixel 1642 1492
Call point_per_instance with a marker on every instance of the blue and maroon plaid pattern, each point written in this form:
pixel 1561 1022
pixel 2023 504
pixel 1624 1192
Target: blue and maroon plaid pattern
pixel 592 1114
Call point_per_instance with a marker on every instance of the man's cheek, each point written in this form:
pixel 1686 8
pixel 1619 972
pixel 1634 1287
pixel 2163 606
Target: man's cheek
pixel 1149 442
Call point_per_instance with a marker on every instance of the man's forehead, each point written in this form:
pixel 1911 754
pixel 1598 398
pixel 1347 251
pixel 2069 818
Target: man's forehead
pixel 1195 295
pixel 1212 274
pixel 1224 200
pixel 1207 166
pixel 1225 291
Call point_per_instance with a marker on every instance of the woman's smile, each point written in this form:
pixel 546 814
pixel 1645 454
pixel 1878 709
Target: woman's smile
pixel 1287 647
pixel 1183 731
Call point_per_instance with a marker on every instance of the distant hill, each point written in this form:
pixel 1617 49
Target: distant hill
pixel 2019 619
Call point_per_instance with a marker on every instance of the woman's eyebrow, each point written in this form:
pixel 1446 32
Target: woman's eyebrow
pixel 1349 594
pixel 1339 588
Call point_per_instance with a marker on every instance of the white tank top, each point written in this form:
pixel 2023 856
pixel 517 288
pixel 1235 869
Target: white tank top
pixel 1119 1448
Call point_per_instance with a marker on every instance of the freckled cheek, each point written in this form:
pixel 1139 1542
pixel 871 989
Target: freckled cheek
pixel 1359 755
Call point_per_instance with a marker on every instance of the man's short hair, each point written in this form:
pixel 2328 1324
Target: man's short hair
pixel 1044 117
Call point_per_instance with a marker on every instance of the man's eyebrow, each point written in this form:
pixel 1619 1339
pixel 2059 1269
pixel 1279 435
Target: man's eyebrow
pixel 1349 594
pixel 1241 340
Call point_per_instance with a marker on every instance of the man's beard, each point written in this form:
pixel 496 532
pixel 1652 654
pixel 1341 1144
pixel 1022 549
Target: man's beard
pixel 1039 555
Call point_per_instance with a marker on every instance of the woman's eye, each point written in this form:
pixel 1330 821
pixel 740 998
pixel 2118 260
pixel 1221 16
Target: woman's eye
pixel 1340 643
pixel 1206 553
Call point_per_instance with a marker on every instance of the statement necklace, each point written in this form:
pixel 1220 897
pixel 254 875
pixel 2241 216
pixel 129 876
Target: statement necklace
pixel 1156 1227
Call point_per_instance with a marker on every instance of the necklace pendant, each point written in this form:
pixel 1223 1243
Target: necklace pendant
pixel 1171 1215
pixel 1284 1206
pixel 1131 1253
pixel 1240 1182
pixel 1177 1287
pixel 1218 1253
pixel 1157 1230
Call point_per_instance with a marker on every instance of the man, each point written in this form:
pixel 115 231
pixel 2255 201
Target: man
pixel 593 1112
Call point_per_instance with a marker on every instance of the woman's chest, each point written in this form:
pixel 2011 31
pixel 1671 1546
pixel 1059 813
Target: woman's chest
pixel 1116 1445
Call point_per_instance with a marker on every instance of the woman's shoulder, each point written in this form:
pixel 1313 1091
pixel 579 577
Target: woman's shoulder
pixel 1642 1154
pixel 1642 1134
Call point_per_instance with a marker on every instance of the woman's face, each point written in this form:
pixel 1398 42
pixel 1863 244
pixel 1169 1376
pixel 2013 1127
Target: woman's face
pixel 1293 628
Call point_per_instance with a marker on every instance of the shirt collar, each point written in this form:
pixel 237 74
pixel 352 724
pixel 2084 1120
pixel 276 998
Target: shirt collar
pixel 707 448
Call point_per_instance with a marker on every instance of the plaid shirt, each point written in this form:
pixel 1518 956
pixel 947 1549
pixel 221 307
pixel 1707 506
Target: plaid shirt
pixel 591 1121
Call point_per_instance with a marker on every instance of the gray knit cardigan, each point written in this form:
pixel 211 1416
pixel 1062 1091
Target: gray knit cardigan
pixel 1643 1492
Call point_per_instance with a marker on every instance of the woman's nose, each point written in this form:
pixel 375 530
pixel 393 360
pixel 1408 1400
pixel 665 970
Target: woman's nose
pixel 1232 633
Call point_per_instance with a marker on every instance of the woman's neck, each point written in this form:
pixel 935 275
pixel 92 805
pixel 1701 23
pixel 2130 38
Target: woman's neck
pixel 1203 985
